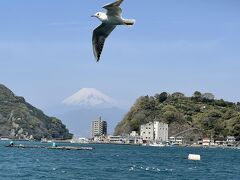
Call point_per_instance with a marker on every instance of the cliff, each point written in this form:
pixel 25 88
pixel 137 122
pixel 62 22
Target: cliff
pixel 19 119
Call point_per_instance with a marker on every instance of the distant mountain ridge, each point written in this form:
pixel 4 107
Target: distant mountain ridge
pixel 20 120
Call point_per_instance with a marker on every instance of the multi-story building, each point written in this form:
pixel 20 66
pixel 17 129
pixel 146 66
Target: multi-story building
pixel 134 138
pixel 147 131
pixel 176 140
pixel 160 131
pixel 206 142
pixel 154 131
pixel 115 139
pixel 98 128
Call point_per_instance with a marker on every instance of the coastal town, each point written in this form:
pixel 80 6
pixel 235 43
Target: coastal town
pixel 151 134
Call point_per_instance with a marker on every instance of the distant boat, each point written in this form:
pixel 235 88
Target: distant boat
pixel 79 140
pixel 174 144
pixel 44 140
pixel 4 139
pixel 157 144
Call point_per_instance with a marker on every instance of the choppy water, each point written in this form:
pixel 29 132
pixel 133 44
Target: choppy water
pixel 118 162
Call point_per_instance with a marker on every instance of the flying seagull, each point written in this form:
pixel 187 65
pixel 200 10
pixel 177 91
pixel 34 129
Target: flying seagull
pixel 110 20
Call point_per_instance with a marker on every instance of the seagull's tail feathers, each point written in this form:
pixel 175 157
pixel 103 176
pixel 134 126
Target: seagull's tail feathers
pixel 129 22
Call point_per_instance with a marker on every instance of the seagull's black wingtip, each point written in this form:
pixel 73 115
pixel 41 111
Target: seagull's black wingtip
pixel 97 58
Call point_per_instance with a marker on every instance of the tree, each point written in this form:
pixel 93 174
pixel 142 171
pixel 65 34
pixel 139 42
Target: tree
pixel 220 102
pixel 197 95
pixel 171 116
pixel 177 95
pixel 162 97
pixel 236 130
pixel 208 96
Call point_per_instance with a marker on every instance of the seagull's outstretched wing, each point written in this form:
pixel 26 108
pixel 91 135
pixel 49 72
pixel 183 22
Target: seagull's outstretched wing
pixel 99 36
pixel 113 9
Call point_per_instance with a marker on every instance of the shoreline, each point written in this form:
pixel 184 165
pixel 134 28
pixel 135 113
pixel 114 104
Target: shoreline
pixel 127 144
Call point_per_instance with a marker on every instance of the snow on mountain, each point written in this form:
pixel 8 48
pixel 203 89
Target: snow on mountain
pixel 89 97
pixel 86 105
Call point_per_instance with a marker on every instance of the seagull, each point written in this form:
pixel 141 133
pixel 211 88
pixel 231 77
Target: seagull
pixel 110 20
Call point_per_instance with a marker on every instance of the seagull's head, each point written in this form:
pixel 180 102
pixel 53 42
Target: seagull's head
pixel 100 15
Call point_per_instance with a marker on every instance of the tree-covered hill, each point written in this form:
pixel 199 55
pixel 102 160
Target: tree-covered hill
pixel 19 119
pixel 201 114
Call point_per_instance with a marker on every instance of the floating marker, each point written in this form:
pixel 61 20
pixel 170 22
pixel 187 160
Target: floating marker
pixel 194 157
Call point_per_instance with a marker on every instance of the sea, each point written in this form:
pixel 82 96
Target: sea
pixel 108 161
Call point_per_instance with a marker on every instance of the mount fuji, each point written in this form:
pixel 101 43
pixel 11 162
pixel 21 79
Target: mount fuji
pixel 89 97
pixel 88 104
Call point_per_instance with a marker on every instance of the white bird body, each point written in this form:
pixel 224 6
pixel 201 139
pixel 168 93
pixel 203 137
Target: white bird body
pixel 109 20
pixel 101 16
pixel 114 20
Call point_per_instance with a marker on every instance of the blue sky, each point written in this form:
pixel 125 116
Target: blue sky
pixel 46 53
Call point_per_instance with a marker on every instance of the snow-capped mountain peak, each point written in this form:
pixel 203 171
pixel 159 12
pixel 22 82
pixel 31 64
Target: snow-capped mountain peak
pixel 89 97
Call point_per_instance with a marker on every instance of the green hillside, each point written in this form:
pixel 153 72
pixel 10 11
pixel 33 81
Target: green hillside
pixel 19 119
pixel 201 114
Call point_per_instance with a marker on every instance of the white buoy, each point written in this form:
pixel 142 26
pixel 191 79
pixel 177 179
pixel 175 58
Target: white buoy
pixel 194 157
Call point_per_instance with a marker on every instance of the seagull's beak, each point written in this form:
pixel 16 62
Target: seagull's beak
pixel 93 15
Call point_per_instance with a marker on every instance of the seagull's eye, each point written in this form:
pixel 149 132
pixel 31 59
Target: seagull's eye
pixel 98 14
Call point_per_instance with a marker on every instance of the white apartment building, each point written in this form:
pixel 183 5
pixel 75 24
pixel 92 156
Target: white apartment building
pixel 98 128
pixel 154 131
pixel 134 134
pixel 147 131
pixel 161 131
pixel 115 139
pixel 134 138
